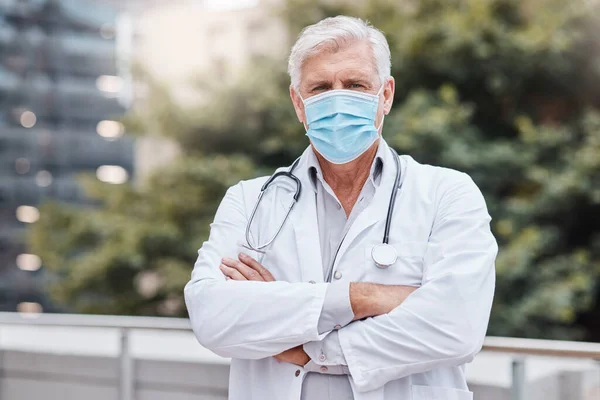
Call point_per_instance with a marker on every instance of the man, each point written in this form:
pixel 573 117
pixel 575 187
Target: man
pixel 314 315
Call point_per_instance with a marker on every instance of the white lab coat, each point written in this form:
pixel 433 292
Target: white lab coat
pixel 440 230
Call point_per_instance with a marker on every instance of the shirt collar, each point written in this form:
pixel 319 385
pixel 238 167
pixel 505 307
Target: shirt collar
pixel 315 174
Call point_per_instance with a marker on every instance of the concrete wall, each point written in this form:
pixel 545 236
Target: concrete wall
pixel 546 378
pixel 33 375
pixel 30 376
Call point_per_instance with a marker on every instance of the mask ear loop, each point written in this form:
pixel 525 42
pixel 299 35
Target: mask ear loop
pixel 383 116
pixel 299 95
pixel 381 124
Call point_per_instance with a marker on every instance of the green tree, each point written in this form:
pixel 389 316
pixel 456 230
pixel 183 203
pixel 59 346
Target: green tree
pixel 502 90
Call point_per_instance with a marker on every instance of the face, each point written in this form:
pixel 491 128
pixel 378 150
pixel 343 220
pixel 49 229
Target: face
pixel 352 67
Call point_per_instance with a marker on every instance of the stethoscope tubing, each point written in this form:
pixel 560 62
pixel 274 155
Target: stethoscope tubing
pixel 289 174
pixel 388 219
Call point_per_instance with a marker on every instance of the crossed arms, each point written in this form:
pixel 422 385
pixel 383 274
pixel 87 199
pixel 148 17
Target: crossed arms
pixel 366 299
pixel 443 323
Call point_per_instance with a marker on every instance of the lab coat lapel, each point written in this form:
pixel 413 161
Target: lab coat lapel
pixel 377 210
pixel 306 230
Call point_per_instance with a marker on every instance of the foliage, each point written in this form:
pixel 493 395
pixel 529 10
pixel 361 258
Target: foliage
pixel 133 255
pixel 504 91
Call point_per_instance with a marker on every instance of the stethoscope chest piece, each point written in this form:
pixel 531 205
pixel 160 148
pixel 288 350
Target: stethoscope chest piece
pixel 384 255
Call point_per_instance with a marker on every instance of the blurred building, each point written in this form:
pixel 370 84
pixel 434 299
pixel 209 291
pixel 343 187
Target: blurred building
pixel 180 41
pixel 59 97
pixel 65 80
pixel 177 42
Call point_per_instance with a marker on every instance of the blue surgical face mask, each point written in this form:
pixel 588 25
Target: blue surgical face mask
pixel 341 123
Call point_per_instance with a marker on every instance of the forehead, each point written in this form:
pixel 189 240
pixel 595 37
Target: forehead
pixel 353 60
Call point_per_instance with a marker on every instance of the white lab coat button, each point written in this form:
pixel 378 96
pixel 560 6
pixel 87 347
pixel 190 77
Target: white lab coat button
pixel 337 275
pixel 337 327
pixel 323 369
pixel 312 282
pixel 322 357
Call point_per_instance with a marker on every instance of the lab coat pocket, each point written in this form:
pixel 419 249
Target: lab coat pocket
pixel 407 270
pixel 439 393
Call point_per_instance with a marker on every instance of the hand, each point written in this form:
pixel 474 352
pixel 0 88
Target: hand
pixel 245 268
pixel 371 299
pixel 295 355
pixel 248 269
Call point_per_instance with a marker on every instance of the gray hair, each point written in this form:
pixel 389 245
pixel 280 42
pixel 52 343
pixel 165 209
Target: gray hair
pixel 338 31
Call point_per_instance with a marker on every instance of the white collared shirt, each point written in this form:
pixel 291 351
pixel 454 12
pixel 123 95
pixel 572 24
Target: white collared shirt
pixel 328 382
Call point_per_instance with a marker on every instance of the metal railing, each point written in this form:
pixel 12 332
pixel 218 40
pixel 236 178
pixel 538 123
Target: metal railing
pixel 121 323
pixel 519 347
pixel 535 347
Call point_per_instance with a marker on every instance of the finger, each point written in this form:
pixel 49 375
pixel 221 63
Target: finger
pixel 252 263
pixel 249 273
pixel 232 273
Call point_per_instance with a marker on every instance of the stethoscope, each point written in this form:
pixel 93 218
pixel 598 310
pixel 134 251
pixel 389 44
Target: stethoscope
pixel 383 254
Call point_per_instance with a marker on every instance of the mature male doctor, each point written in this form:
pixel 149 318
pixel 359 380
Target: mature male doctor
pixel 313 302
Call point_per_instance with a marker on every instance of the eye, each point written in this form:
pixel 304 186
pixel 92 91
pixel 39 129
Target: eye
pixel 356 86
pixel 319 89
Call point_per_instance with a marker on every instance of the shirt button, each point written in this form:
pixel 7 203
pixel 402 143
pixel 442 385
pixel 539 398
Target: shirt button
pixel 337 327
pixel 337 275
pixel 297 372
pixel 312 282
pixel 322 357
pixel 323 369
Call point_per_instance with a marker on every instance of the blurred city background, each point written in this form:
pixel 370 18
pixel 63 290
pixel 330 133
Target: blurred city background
pixel 123 122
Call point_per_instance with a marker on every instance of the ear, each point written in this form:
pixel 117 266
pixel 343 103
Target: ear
pixel 298 105
pixel 388 94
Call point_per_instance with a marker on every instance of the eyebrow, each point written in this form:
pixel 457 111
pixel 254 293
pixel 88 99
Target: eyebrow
pixel 355 75
pixel 347 80
pixel 317 83
pixel 357 79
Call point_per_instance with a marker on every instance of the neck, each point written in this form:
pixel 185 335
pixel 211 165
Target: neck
pixel 347 180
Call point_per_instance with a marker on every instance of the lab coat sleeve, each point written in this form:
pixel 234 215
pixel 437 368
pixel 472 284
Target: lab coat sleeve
pixel 443 323
pixel 250 320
